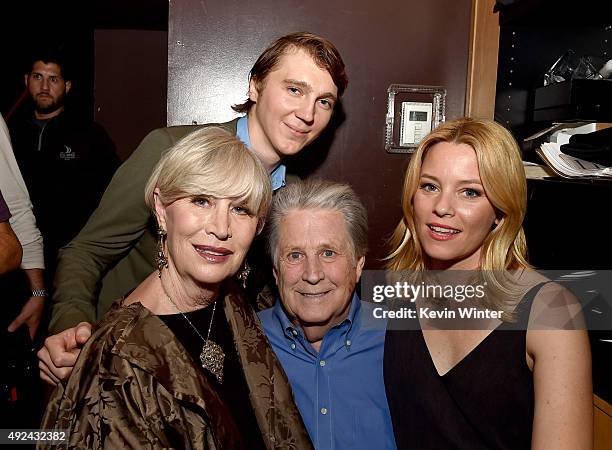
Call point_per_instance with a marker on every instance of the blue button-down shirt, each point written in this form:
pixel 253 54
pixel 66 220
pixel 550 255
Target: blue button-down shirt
pixel 277 177
pixel 340 390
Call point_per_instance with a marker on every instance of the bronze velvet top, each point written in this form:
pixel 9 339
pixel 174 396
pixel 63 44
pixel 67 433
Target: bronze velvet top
pixel 234 389
pixel 135 386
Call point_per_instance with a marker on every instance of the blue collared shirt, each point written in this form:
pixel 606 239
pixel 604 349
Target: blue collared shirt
pixel 277 177
pixel 340 390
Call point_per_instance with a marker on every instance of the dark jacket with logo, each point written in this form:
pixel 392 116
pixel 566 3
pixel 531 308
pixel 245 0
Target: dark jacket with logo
pixel 66 163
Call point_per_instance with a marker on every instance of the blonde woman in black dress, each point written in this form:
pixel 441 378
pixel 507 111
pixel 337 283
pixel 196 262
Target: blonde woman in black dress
pixel 506 384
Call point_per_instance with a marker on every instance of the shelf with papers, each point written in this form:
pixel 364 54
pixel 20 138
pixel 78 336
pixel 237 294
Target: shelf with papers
pixel 567 166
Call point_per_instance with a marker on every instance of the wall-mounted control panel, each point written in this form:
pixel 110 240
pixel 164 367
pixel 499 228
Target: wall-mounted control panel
pixel 416 122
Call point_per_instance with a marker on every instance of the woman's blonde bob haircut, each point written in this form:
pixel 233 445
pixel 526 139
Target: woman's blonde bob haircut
pixel 503 179
pixel 211 162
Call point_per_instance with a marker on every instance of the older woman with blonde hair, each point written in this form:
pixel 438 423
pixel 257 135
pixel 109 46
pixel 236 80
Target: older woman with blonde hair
pixel 181 361
pixel 506 383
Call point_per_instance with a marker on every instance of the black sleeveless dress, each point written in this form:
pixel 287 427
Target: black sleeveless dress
pixel 486 401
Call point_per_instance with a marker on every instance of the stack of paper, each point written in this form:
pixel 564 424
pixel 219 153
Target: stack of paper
pixel 569 167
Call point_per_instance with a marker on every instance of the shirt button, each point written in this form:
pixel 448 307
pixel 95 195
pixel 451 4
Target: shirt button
pixel 322 363
pixel 292 346
pixel 295 333
pixel 348 342
pixel 323 411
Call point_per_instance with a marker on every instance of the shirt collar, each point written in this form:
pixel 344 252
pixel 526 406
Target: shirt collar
pixel 242 131
pixel 277 177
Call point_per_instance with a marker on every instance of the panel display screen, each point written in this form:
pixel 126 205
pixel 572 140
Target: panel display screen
pixel 419 116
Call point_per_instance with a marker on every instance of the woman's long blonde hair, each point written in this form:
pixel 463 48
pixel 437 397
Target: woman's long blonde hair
pixel 503 179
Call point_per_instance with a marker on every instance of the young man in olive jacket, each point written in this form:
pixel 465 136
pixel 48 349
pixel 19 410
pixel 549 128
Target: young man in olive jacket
pixel 293 88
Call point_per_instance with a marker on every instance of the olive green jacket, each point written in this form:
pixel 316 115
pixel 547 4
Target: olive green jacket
pixel 135 386
pixel 115 250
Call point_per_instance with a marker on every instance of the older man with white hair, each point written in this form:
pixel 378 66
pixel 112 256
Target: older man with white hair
pixel 318 241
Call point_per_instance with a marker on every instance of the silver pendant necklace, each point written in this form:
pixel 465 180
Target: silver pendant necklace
pixel 212 355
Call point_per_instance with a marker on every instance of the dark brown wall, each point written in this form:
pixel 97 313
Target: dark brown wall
pixel 212 45
pixel 130 84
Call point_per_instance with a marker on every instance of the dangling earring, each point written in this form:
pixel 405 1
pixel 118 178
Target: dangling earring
pixel 160 259
pixel 244 274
